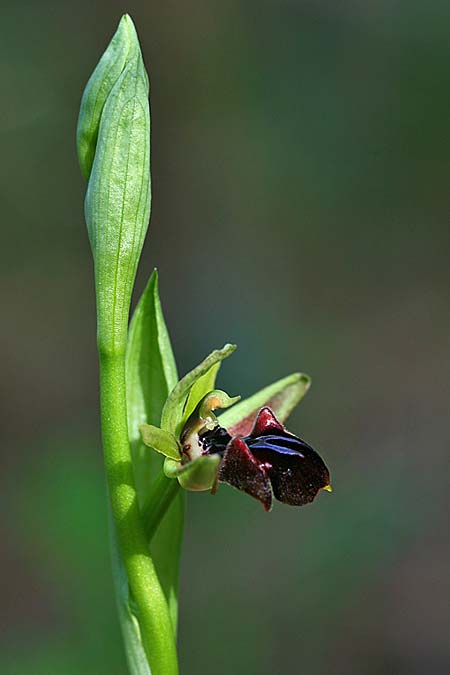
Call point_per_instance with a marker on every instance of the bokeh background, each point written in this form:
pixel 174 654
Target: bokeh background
pixel 300 208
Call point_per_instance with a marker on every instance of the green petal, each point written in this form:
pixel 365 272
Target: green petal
pixel 200 388
pixel 281 397
pixel 200 474
pixel 173 412
pixel 160 440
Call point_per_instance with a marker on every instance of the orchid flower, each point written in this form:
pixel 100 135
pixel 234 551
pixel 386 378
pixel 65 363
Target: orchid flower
pixel 249 449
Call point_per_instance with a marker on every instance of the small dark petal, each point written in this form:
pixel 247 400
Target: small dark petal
pixel 266 423
pixel 296 478
pixel 240 469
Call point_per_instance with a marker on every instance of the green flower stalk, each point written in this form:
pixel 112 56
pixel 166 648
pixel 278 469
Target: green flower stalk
pixel 161 435
pixel 114 151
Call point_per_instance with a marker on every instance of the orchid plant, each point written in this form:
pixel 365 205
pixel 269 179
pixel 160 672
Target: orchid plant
pixel 161 436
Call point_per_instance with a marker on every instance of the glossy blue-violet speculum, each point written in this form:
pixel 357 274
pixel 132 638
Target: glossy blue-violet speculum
pixel 269 462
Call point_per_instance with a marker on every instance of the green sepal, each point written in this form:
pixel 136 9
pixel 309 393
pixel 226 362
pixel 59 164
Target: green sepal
pixel 198 475
pixel 281 397
pixel 172 418
pixel 160 440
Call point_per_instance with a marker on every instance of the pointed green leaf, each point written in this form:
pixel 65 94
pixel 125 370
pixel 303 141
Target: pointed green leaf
pixel 198 475
pixel 281 397
pixel 97 90
pixel 160 440
pixel 117 206
pixel 151 374
pixel 172 415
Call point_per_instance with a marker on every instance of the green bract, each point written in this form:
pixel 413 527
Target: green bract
pixel 151 374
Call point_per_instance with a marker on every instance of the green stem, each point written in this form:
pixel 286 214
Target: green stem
pixel 153 613
pixel 163 492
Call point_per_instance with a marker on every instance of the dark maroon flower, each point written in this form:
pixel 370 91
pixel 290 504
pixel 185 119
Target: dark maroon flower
pixel 270 461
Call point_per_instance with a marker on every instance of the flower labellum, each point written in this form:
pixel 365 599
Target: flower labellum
pixel 269 462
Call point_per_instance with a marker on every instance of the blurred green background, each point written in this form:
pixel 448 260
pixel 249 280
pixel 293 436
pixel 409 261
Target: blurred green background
pixel 300 160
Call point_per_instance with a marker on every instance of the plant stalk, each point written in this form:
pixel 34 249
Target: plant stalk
pixel 153 613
